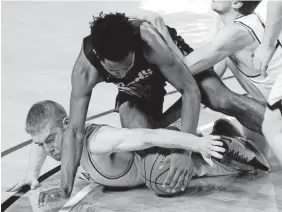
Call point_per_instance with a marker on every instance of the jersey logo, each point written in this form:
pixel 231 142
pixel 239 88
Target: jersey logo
pixel 144 74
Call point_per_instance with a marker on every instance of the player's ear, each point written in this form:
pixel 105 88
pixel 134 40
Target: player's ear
pixel 65 122
pixel 237 4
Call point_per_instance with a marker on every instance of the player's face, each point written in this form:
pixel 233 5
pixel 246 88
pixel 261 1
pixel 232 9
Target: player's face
pixel 120 69
pixel 221 7
pixel 50 137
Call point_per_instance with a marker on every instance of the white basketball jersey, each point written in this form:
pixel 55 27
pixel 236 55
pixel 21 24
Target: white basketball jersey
pixel 118 170
pixel 241 62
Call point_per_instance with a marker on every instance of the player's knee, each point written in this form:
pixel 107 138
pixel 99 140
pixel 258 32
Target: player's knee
pixel 220 104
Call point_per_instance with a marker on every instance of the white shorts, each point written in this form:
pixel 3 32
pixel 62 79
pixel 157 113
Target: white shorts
pixel 276 91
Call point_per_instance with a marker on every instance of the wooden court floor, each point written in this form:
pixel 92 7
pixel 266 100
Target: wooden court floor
pixel 255 192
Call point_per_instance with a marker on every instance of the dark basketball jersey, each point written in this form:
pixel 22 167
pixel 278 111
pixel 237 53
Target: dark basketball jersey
pixel 144 80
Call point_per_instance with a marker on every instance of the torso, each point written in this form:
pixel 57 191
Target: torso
pixel 143 80
pixel 115 170
pixel 241 62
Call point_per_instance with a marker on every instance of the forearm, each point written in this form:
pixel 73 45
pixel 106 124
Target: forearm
pixel 36 160
pixel 190 111
pixel 71 155
pixel 203 58
pixel 273 25
pixel 137 139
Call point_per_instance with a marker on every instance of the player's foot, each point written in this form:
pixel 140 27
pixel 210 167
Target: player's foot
pixel 244 152
pixel 239 150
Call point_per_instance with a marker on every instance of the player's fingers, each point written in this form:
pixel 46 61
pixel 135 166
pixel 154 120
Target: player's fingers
pixel 187 178
pixel 217 143
pixel 217 149
pixel 169 177
pixel 41 199
pixel 165 161
pixel 180 182
pixel 209 161
pixel 216 155
pixel 175 179
pixel 45 199
pixel 215 138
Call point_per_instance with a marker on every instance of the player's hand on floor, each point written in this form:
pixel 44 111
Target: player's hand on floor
pixel 179 172
pixel 211 146
pixel 33 183
pixel 262 56
pixel 52 195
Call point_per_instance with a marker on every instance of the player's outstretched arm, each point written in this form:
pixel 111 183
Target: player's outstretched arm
pixel 37 157
pixel 84 79
pixel 227 41
pixel 273 28
pixel 172 67
pixel 110 139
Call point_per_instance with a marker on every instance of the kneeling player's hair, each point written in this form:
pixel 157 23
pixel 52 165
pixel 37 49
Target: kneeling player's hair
pixel 112 36
pixel 248 7
pixel 41 113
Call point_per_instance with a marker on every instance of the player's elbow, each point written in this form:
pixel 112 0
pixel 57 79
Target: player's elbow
pixel 77 133
pixel 189 87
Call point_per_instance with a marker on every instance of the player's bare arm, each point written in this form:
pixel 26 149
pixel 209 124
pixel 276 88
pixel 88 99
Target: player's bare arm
pixel 273 25
pixel 221 67
pixel 273 28
pixel 110 139
pixel 84 79
pixel 36 160
pixel 230 39
pixel 173 68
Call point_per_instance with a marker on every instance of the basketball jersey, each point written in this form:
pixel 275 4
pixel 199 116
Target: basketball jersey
pixel 115 170
pixel 241 62
pixel 143 80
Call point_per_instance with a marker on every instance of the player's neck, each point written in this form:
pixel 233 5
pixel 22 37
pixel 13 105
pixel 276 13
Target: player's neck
pixel 228 18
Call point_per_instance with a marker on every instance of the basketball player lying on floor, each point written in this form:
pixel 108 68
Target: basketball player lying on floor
pixel 131 54
pixel 108 158
pixel 233 46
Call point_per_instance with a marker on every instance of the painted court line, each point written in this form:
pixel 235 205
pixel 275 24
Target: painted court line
pixel 79 196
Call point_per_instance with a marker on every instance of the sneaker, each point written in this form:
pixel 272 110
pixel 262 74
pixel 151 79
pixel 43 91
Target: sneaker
pixel 243 152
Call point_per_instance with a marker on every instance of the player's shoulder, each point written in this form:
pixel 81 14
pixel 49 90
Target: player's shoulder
pixel 149 34
pixel 234 30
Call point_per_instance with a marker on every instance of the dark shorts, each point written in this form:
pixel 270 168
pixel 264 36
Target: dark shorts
pixel 277 105
pixel 152 108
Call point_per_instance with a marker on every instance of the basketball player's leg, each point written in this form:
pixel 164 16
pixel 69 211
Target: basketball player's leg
pixel 272 128
pixel 218 97
pixel 138 113
pixel 132 117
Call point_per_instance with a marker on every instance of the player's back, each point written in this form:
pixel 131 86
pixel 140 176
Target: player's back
pixel 116 170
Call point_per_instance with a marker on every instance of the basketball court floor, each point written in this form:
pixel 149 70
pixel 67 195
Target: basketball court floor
pixel 47 36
